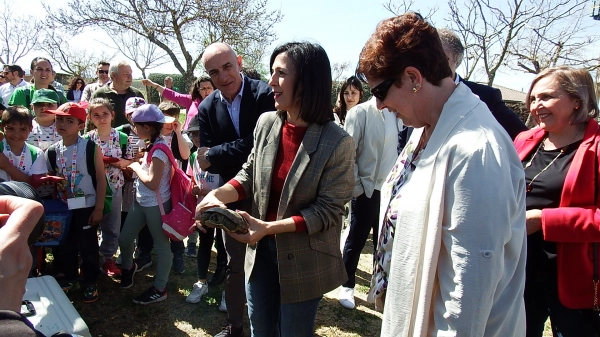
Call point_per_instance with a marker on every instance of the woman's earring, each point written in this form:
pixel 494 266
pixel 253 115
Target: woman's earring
pixel 415 89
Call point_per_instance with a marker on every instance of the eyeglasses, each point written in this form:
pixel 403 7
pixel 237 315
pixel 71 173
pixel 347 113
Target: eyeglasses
pixel 102 71
pixel 381 90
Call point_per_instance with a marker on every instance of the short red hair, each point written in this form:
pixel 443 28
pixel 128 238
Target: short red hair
pixel 404 41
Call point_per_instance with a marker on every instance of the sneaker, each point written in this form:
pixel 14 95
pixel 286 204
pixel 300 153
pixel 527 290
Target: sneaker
pixel 346 296
pixel 127 276
pixel 199 290
pixel 143 262
pixel 191 251
pixel 231 331
pixel 152 295
pixel 223 305
pixel 69 285
pixel 178 265
pixel 110 268
pixel 90 293
pixel 218 277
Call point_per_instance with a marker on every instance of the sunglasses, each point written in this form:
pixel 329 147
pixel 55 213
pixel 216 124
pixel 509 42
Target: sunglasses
pixel 381 90
pixel 103 72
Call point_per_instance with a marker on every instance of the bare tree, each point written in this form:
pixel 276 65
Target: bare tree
pixel 73 61
pixel 139 50
pixel 491 29
pixel 403 6
pixel 18 34
pixel 182 29
pixel 558 37
pixel 338 69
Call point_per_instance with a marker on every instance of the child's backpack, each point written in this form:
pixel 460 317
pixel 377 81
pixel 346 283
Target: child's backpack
pixel 90 160
pixel 32 150
pixel 176 224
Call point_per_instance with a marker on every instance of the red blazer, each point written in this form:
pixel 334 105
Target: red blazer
pixel 575 224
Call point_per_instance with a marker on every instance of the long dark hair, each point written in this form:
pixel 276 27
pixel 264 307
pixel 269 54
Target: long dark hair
pixel 73 83
pixel 312 89
pixel 341 109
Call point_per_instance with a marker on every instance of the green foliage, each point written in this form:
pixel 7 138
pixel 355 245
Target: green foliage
pixel 158 78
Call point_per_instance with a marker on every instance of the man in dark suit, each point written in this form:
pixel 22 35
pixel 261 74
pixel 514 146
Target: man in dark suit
pixel 490 96
pixel 227 120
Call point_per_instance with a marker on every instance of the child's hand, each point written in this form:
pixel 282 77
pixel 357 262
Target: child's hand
pixel 135 166
pixel 177 126
pixel 95 218
pixel 122 163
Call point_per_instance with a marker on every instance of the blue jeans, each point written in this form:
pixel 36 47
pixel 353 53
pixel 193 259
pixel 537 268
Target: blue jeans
pixel 268 316
pixel 541 301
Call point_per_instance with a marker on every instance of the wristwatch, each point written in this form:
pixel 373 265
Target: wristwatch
pixel 206 156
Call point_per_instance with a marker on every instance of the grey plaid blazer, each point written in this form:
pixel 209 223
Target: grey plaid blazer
pixel 320 182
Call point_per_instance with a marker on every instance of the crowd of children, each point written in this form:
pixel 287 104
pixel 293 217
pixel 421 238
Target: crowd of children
pixel 106 180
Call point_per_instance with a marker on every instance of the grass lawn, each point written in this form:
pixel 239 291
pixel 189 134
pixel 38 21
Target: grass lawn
pixel 115 314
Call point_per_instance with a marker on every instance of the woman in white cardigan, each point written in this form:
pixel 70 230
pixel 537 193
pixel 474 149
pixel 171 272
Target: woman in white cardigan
pixel 451 250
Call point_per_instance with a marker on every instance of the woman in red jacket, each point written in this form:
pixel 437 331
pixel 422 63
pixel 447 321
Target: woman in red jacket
pixel 561 158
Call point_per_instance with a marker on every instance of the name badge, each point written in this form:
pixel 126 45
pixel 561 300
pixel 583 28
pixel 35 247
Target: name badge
pixel 76 203
pixel 44 145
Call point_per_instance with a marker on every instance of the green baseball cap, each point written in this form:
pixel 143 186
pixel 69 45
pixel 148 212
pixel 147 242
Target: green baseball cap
pixel 44 96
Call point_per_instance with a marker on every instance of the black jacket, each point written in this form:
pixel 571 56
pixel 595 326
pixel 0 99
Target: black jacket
pixel 228 151
pixel 493 99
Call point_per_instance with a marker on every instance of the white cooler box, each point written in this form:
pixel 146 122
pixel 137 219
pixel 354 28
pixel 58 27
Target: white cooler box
pixel 54 311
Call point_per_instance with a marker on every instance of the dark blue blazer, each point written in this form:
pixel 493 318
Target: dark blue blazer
pixel 228 151
pixel 492 97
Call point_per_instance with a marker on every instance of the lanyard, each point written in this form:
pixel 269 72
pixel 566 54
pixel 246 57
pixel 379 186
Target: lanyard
pixel 106 151
pixel 21 161
pixel 63 149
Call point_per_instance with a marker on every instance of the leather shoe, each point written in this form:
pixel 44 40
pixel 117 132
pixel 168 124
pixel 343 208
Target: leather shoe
pixel 218 277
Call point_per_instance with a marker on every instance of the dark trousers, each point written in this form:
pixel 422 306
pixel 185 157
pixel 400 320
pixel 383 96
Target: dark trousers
pixel 541 302
pixel 145 244
pixel 364 216
pixel 204 251
pixel 82 242
pixel 235 284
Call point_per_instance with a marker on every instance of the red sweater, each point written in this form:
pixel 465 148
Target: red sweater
pixel 289 143
pixel 575 224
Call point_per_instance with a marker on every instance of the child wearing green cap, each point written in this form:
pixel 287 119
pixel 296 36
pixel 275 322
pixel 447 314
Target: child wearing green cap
pixel 43 133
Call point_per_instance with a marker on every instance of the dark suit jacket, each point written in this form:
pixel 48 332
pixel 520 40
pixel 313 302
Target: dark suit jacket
pixel 319 183
pixel 228 151
pixel 117 101
pixel 493 99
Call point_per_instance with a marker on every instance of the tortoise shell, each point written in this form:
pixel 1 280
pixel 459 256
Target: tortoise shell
pixel 225 219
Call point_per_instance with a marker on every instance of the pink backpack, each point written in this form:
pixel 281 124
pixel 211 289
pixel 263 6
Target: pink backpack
pixel 176 225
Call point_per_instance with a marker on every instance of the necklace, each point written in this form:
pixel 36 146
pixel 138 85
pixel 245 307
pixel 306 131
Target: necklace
pixel 562 151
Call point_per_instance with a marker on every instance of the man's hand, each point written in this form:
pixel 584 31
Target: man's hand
pixel 18 217
pixel 201 157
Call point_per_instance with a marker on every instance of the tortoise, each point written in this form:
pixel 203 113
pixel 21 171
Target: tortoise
pixel 225 219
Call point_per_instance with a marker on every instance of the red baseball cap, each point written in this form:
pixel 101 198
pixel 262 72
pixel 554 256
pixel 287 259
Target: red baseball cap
pixel 71 109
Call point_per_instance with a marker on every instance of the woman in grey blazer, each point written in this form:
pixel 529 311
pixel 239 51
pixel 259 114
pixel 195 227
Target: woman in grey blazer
pixel 298 176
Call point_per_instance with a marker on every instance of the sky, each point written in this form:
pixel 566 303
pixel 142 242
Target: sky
pixel 341 26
